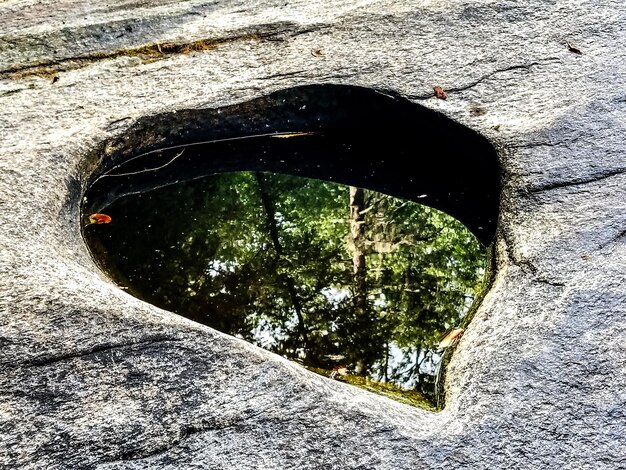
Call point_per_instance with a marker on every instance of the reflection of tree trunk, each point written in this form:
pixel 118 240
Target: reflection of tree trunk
pixel 359 272
pixel 418 363
pixel 386 376
pixel 357 231
pixel 270 213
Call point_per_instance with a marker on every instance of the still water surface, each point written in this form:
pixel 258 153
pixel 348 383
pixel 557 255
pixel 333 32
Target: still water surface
pixel 353 284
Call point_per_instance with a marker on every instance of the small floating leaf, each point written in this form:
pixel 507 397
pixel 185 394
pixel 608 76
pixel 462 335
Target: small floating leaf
pixel 451 338
pixel 291 134
pixel 99 219
pixel 439 93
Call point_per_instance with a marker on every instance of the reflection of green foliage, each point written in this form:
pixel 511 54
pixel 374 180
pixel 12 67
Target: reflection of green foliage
pixel 204 249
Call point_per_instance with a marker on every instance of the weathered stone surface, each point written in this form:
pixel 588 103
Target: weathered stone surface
pixel 93 378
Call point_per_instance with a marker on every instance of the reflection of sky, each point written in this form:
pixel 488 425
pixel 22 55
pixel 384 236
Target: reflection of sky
pixel 335 295
pixel 397 357
pixel 217 267
pixel 267 335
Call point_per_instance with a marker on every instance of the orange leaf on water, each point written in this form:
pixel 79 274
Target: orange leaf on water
pixel 99 219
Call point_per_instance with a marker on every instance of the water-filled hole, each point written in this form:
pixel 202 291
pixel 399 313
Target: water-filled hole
pixel 299 224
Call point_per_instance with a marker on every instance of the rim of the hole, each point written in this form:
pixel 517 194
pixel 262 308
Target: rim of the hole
pixel 105 160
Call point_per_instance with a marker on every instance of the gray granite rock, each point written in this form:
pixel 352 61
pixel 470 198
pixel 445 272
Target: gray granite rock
pixel 93 378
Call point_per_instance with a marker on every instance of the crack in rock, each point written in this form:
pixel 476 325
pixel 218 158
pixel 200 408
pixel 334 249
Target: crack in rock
pixel 547 61
pixel 11 92
pixel 157 50
pixel 472 84
pixel 576 182
pixel 560 143
pixel 185 433
pixel 527 266
pixel 46 361
pixel 613 240
pixel 548 282
pixel 283 75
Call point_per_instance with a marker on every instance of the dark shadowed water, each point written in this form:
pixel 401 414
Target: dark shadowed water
pixel 354 284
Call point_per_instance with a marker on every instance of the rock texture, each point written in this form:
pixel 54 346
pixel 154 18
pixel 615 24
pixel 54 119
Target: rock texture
pixel 90 377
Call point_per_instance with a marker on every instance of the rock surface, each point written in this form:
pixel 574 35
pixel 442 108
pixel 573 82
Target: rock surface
pixel 91 377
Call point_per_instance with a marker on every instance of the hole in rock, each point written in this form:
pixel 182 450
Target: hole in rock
pixel 318 222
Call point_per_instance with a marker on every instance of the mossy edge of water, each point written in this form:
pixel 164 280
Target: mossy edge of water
pixel 393 392
pixel 487 284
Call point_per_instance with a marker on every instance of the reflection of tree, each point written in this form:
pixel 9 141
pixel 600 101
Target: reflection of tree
pixel 268 207
pixel 306 268
pixel 365 354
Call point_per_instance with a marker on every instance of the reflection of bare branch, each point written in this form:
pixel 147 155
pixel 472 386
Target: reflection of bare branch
pixel 147 169
pixel 396 209
pixel 366 210
pixel 193 144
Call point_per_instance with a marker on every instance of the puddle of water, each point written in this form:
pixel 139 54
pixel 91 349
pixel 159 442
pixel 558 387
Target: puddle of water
pixel 352 283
